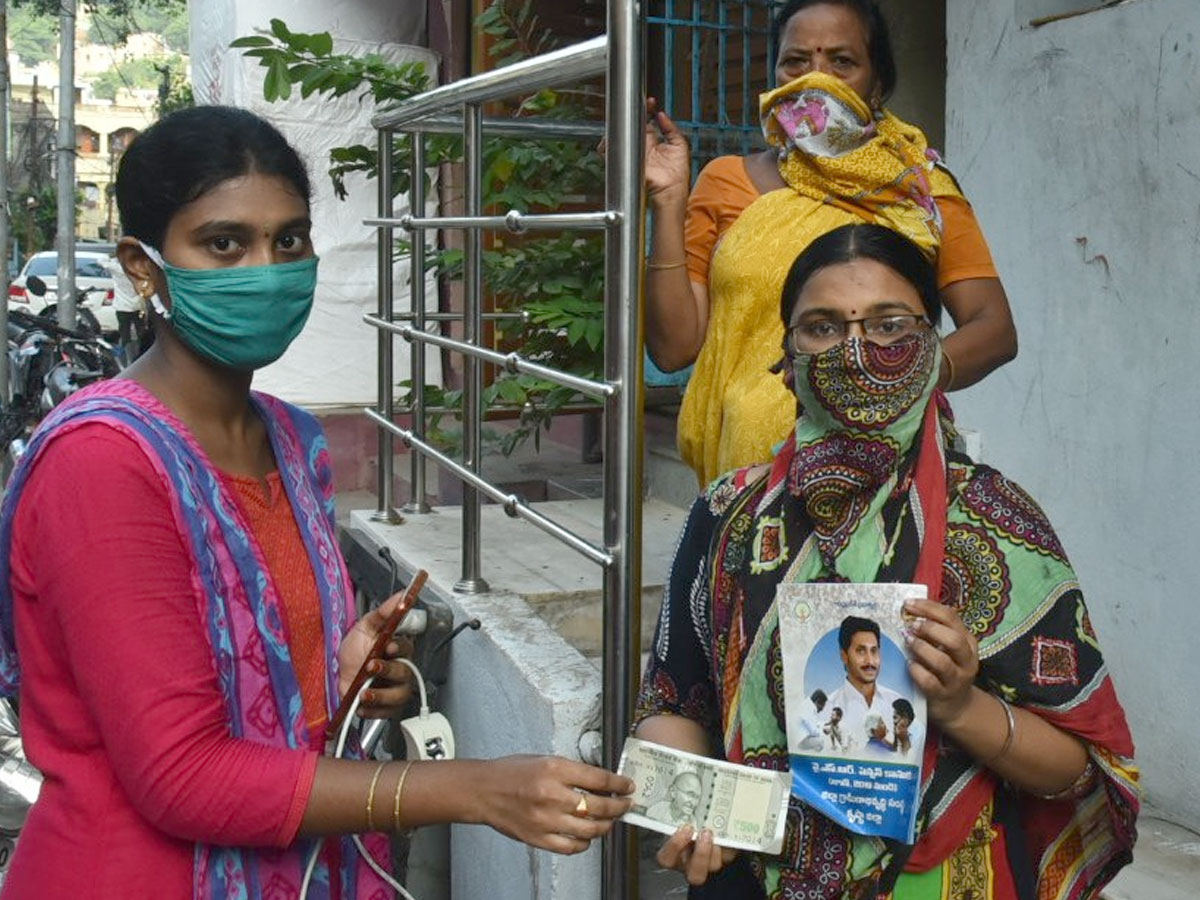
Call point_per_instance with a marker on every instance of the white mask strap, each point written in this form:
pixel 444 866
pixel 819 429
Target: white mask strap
pixel 155 300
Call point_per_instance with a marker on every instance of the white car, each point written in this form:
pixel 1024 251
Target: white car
pixel 89 273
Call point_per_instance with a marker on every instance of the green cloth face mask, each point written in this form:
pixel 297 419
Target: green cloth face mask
pixel 242 317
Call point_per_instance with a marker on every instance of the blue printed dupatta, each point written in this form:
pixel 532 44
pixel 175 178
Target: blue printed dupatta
pixel 236 599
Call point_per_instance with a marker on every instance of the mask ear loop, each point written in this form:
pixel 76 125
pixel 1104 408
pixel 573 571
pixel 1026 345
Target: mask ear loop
pixel 152 296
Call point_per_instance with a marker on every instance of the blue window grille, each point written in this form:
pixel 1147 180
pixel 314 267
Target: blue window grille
pixel 708 62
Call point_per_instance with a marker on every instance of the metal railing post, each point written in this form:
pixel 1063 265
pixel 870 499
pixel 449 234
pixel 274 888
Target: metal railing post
pixel 384 507
pixel 472 397
pixel 417 502
pixel 624 191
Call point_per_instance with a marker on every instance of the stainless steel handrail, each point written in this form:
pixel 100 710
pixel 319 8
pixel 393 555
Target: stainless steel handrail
pixel 514 506
pixel 418 503
pixel 511 362
pixel 472 372
pixel 619 55
pixel 514 221
pixel 531 127
pixel 624 188
pixel 568 65
pixel 386 397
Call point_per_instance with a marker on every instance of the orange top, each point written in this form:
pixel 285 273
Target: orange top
pixel 724 190
pixel 269 515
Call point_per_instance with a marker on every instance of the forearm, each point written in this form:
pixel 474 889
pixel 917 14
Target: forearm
pixel 1040 758
pixel 674 333
pixel 432 792
pixel 984 337
pixel 676 731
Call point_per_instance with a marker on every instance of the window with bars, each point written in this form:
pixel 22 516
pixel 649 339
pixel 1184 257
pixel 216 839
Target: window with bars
pixel 707 62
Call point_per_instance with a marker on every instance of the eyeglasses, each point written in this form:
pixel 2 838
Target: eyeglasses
pixel 816 335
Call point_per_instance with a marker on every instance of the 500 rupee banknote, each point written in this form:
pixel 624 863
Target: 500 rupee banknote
pixel 744 808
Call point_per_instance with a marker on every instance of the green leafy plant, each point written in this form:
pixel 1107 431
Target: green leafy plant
pixel 555 283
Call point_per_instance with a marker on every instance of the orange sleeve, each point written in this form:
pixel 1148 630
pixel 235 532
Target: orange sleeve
pixel 722 191
pixel 964 252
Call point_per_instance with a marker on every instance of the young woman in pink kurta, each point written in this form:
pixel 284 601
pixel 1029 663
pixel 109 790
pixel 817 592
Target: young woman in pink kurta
pixel 174 611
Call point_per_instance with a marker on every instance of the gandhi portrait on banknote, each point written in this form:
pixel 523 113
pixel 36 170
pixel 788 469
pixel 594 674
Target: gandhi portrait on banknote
pixel 683 794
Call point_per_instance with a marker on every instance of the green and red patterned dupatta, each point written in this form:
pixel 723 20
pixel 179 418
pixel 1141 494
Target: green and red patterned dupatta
pixel 858 493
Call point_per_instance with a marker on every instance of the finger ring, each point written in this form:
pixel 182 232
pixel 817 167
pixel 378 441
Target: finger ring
pixel 581 808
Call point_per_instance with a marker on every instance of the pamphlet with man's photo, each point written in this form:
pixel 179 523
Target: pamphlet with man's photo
pixel 855 719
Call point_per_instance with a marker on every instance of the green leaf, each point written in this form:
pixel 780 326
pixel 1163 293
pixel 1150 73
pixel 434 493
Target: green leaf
pixel 283 84
pixel 321 44
pixel 510 390
pixel 271 84
pixel 254 40
pixel 280 30
pixel 575 330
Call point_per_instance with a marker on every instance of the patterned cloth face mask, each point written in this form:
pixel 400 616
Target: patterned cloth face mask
pixel 861 386
pixel 817 114
pixel 241 317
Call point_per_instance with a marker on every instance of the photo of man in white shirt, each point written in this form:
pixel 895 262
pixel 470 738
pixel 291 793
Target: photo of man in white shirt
pixel 861 694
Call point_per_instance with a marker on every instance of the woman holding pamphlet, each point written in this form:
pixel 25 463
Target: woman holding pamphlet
pixel 934 606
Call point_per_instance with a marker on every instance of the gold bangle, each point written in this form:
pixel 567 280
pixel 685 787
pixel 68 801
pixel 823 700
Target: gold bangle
pixel 396 800
pixel 949 370
pixel 371 797
pixel 674 265
pixel 1077 787
pixel 1008 738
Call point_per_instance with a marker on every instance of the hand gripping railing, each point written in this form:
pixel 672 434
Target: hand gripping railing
pixel 619 55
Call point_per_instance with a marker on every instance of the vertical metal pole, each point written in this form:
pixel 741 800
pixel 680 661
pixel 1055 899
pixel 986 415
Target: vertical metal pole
pixel 722 65
pixel 623 338
pixel 386 403
pixel 4 396
pixel 65 238
pixel 417 502
pixel 748 115
pixel 669 53
pixel 472 582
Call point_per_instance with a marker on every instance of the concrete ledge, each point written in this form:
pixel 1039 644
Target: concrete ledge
pixel 516 685
pixel 1166 864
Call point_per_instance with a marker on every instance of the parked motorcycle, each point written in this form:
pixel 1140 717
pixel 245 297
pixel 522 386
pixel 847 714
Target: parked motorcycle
pixel 85 320
pixel 47 363
pixel 20 784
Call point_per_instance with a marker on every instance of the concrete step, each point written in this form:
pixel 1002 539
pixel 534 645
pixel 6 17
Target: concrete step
pixel 1166 864
pixel 668 478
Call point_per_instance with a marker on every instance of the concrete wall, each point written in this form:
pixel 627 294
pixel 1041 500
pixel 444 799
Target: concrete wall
pixel 1079 144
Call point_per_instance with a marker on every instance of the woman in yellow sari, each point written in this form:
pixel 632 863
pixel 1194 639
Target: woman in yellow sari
pixel 836 156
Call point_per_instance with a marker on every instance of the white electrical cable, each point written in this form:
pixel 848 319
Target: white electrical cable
pixel 343 735
pixel 420 683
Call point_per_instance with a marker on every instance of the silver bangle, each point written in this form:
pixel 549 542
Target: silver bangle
pixel 1008 738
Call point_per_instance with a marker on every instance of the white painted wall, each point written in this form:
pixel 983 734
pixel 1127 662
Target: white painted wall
pixel 1079 145
pixel 333 362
